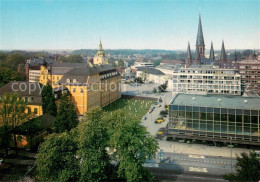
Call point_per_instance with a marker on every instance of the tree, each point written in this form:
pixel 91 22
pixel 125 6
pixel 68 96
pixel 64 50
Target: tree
pixel 134 145
pixel 144 75
pixel 120 63
pixel 93 141
pixel 162 87
pixel 48 100
pixel 7 75
pixel 154 90
pixel 66 118
pixel 139 80
pixel 71 59
pixel 13 111
pixel 247 168
pixel 56 159
pixel 13 60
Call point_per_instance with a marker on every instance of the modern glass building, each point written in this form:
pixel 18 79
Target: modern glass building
pixel 216 118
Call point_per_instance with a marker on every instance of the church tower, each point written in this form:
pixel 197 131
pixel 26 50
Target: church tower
pixel 223 56
pixel 211 55
pixel 200 45
pixel 100 57
pixel 197 58
pixel 188 58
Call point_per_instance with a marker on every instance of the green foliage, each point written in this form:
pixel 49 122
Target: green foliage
pixel 163 87
pixel 92 147
pixel 56 159
pixel 71 59
pixel 157 62
pixel 121 63
pixel 154 90
pixel 134 145
pixel 59 156
pixel 7 75
pixel 13 113
pixel 13 60
pixel 66 118
pixel 48 101
pixel 247 168
pixel 139 80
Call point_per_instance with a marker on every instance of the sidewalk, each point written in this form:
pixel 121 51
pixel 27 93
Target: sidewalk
pixel 198 149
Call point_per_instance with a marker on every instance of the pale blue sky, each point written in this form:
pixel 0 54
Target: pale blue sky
pixel 50 24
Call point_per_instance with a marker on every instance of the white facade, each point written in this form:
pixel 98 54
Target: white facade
pixel 143 65
pixel 208 80
pixel 34 75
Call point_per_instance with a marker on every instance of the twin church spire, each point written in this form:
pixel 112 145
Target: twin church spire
pixel 200 49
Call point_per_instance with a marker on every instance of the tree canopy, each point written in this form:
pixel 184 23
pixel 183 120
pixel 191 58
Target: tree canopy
pixel 56 159
pixel 71 59
pixel 48 100
pixel 88 147
pixel 66 118
pixel 7 75
pixel 247 168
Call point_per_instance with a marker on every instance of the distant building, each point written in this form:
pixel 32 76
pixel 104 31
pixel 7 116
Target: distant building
pixel 33 96
pixel 215 118
pixel 207 79
pixel 142 65
pixel 250 75
pixel 100 57
pixel 32 68
pixel 152 75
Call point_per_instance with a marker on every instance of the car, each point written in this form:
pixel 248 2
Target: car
pixel 144 117
pixel 159 120
pixel 159 133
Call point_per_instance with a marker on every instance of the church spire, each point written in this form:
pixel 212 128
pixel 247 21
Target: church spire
pixel 223 56
pixel 100 45
pixel 200 40
pixel 211 55
pixel 189 57
pixel 235 56
pixel 254 56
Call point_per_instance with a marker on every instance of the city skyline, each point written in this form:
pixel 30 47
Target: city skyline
pixel 128 24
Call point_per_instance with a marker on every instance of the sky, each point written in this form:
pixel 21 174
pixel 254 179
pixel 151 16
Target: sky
pixel 125 24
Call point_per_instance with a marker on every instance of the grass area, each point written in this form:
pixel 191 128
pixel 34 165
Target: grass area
pixel 132 108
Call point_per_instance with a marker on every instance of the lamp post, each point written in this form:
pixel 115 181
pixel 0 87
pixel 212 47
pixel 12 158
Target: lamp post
pixel 231 151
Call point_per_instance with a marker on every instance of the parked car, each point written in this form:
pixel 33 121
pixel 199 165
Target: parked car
pixel 144 117
pixel 159 120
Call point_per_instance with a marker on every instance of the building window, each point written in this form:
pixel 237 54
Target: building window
pixel 35 111
pixel 74 90
pixel 29 110
pixel 81 90
pixel 74 81
pixel 68 81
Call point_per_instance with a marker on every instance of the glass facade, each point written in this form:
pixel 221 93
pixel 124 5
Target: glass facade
pixel 214 122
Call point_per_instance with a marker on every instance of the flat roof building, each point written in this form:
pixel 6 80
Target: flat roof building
pixel 215 118
pixel 207 78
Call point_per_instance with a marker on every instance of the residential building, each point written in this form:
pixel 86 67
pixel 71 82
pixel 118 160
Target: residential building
pixel 34 74
pixel 30 92
pixel 142 65
pixel 208 79
pixel 250 75
pixel 216 118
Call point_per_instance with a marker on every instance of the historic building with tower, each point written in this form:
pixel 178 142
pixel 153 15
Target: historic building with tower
pixel 100 57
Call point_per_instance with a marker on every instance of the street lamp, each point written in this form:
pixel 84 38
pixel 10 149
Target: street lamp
pixel 231 151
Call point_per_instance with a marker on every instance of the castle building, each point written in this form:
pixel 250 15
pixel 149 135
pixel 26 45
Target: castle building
pixel 100 57
pixel 90 85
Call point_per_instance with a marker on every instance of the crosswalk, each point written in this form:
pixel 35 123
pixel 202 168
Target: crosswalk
pixel 198 169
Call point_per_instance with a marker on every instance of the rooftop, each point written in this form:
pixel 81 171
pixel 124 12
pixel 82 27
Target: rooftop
pixel 151 71
pixel 217 101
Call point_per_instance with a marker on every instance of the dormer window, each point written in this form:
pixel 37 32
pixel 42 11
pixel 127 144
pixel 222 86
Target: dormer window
pixel 30 99
pixel 68 81
pixel 74 80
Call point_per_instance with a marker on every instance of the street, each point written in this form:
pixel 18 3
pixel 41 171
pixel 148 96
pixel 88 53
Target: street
pixel 184 167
